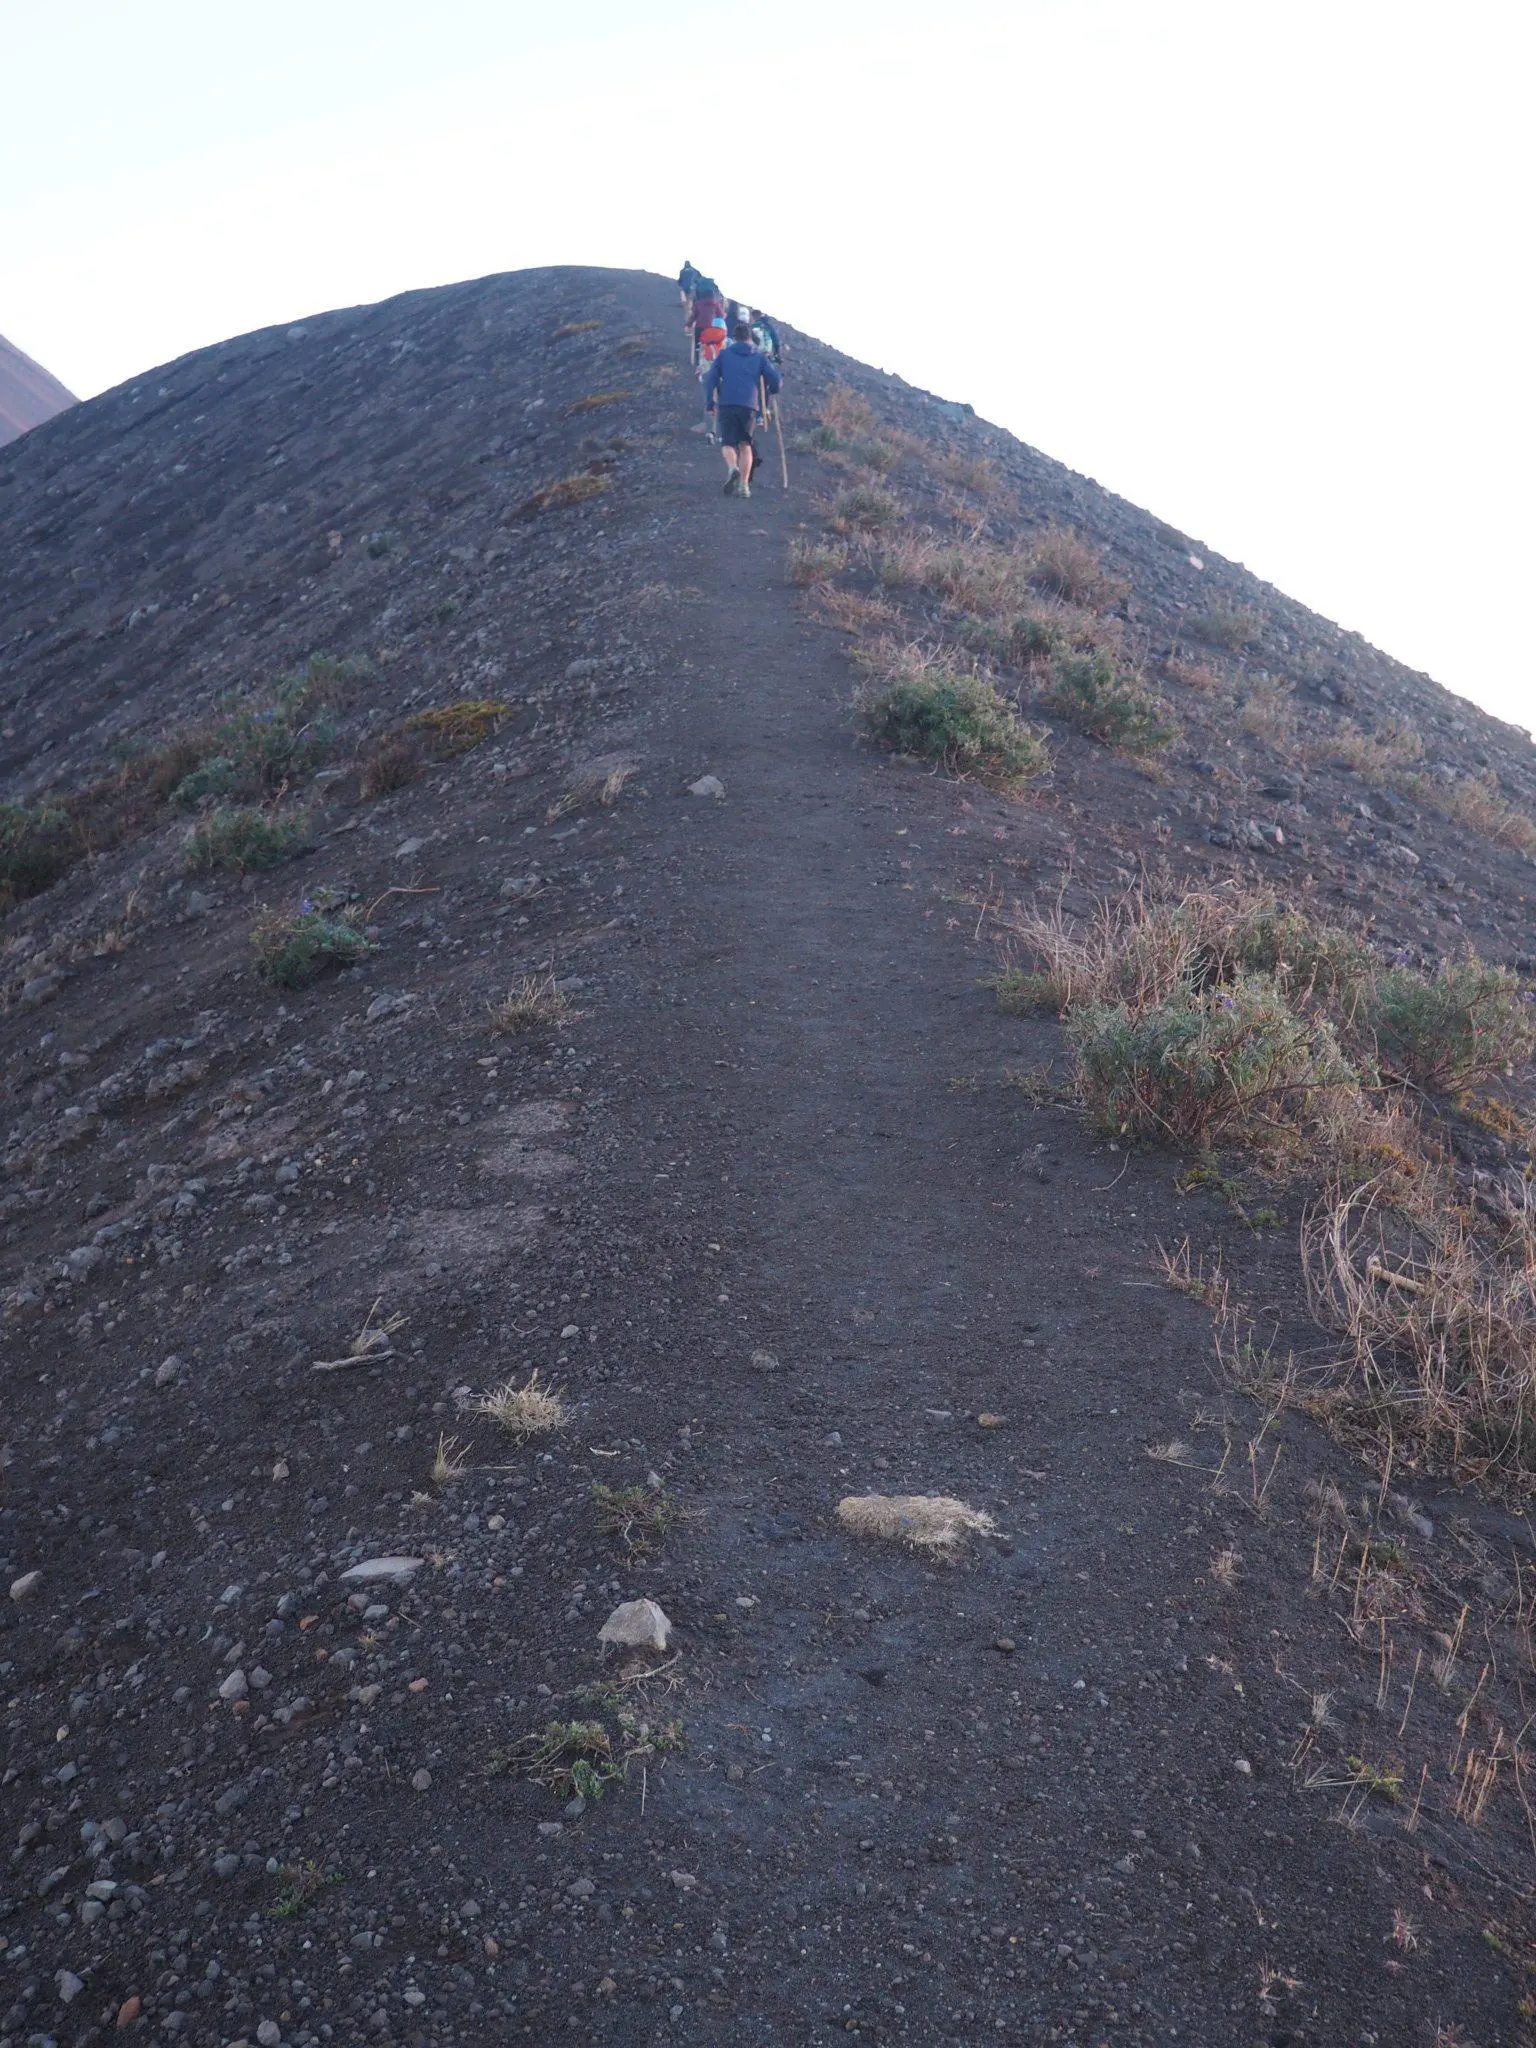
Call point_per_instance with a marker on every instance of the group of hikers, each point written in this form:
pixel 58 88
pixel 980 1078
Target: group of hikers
pixel 735 352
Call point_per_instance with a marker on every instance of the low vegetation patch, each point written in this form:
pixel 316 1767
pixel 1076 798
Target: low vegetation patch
pixel 532 1409
pixel 1234 627
pixel 296 947
pixel 571 327
pixel 1205 1067
pixel 533 1002
pixel 595 401
pixel 816 561
pixel 864 508
pixel 245 840
pixel 934 1523
pixel 455 728
pixel 1464 1025
pixel 1063 564
pixel 1090 690
pixel 642 1517
pixel 562 492
pixel 924 707
pixel 38 843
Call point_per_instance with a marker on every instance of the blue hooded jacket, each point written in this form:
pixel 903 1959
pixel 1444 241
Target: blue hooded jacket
pixel 734 374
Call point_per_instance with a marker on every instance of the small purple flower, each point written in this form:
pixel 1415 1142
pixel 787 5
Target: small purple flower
pixel 306 908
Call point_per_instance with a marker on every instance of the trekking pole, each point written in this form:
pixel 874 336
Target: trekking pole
pixel 779 435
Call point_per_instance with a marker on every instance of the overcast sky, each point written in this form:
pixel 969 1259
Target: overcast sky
pixel 1261 268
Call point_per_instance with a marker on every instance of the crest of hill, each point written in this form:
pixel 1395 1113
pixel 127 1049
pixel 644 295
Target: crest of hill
pixel 28 393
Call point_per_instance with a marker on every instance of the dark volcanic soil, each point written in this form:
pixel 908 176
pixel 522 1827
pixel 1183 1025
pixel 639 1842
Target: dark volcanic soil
pixel 766 1204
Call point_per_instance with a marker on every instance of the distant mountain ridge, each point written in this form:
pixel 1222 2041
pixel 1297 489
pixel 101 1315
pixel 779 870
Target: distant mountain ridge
pixel 28 393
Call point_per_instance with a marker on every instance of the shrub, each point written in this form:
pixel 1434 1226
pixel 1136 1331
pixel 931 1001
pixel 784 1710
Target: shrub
pixel 1379 756
pixel 38 844
pixel 1063 563
pixel 865 506
pixel 295 947
pixel 844 416
pixel 243 839
pixel 1018 640
pixel 533 1001
pixel 961 720
pixel 1091 691
pixel 1476 803
pixel 1230 1062
pixel 815 561
pixel 1468 1023
pixel 1232 626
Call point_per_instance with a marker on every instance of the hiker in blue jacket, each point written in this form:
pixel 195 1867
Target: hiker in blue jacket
pixel 735 379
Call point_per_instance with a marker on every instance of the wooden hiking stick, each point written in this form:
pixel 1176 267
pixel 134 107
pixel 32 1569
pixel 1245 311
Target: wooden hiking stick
pixel 779 435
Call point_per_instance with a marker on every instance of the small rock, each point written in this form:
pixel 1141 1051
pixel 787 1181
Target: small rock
pixel 1006 1644
pixel 269 2034
pixel 398 1571
pixel 519 887
pixel 280 1469
pixel 421 1781
pixel 129 2010
pixel 1242 1764
pixel 407 847
pixel 683 1879
pixel 227 1865
pixel 573 1809
pixel 235 1687
pixel 707 785
pixel 70 1986
pixel 167 1370
pixel 636 1625
pixel 24 1587
pixel 548 1829
pixel 581 1888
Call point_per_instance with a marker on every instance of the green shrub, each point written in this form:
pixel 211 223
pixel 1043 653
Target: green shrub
pixel 1311 961
pixel 243 839
pixel 864 506
pixel 1232 626
pixel 1017 640
pixel 38 843
pixel 958 719
pixel 255 748
pixel 1234 1062
pixel 294 947
pixel 1468 1023
pixel 1090 691
pixel 815 561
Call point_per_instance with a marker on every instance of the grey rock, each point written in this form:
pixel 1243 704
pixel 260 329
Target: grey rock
pixel 407 847
pixel 227 1865
pixel 421 1781
pixel 168 1370
pixel 396 1571
pixel 517 888
pixel 70 1986
pixel 269 2034
pixel 707 785
pixel 581 1888
pixel 24 1587
pixel 636 1625
pixel 235 1687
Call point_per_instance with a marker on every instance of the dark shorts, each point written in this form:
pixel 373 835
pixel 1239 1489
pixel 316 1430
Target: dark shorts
pixel 736 425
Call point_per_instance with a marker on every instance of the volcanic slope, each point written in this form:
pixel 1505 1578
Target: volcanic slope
pixel 28 394
pixel 746 1170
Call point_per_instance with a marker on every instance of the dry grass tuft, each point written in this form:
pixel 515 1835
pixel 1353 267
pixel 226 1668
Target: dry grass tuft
pixel 816 561
pixel 450 1460
pixel 456 728
pixel 575 327
pixel 595 401
pixel 935 1523
pixel 564 491
pixel 534 1001
pixel 529 1410
pixel 1063 564
pixel 600 782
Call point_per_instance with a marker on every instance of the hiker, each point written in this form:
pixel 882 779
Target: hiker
pixel 687 278
pixel 766 336
pixel 711 342
pixel 734 378
pixel 707 306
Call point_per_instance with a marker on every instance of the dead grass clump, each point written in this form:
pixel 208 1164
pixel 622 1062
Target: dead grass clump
pixel 816 561
pixel 844 416
pixel 388 764
pixel 850 611
pixel 1439 1322
pixel 1380 756
pixel 571 327
pixel 642 1517
pixel 1198 676
pixel 563 492
pixel 1267 712
pixel 532 1409
pixel 600 782
pixel 934 1523
pixel 595 401
pixel 1476 803
pixel 456 728
pixel 534 1002
pixel 1064 565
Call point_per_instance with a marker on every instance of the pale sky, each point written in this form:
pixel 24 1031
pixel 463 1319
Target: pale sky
pixel 1261 268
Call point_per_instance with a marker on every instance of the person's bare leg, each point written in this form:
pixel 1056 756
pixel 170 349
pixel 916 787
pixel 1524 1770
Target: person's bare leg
pixel 746 462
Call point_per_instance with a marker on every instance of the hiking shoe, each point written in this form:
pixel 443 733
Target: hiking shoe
pixel 746 490
pixel 730 484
